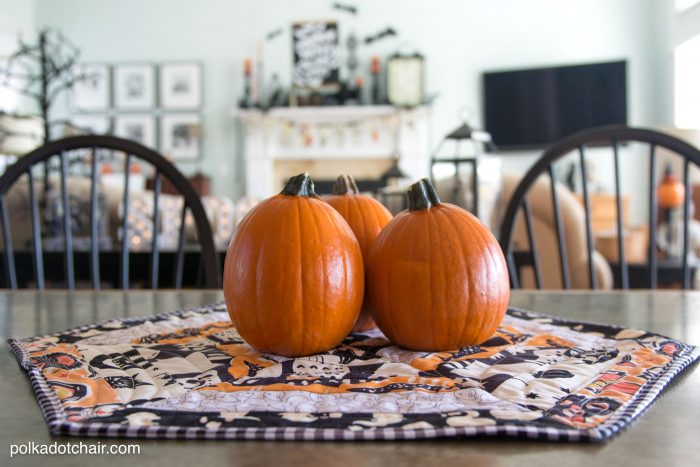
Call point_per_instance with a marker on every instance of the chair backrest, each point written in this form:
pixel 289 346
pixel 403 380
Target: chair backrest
pixel 90 151
pixel 542 228
pixel 613 137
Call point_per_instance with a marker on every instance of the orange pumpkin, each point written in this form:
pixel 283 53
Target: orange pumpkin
pixel 436 276
pixel 294 276
pixel 366 217
pixel 671 192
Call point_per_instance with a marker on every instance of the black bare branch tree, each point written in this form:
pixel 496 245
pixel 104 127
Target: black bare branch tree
pixel 43 70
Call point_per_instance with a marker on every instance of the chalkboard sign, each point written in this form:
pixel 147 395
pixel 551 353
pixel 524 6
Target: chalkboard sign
pixel 315 45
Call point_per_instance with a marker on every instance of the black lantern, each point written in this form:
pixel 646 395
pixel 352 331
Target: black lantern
pixel 463 146
pixel 393 192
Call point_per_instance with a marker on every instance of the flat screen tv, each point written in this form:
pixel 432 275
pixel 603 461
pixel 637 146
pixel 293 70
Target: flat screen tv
pixel 530 109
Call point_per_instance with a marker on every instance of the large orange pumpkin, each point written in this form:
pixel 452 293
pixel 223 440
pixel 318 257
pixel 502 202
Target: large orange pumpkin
pixel 366 217
pixel 436 277
pixel 294 276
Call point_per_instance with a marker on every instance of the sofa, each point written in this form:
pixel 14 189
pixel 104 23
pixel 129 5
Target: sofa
pixel 573 220
pixel 221 213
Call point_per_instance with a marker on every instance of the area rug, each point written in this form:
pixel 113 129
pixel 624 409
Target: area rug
pixel 188 375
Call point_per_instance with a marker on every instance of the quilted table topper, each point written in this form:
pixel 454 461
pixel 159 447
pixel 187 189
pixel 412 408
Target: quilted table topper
pixel 188 374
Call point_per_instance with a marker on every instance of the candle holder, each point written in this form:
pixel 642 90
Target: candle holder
pixel 246 100
pixel 375 70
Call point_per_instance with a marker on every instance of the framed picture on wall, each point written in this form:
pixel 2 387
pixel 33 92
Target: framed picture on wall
pixel 181 136
pixel 134 86
pixel 137 127
pixel 315 54
pixel 180 86
pixel 91 92
pixel 89 125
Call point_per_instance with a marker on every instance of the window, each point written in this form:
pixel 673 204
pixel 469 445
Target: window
pixel 683 5
pixel 687 58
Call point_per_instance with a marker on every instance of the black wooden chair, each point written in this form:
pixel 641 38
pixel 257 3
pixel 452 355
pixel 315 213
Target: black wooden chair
pixel 90 152
pixel 614 137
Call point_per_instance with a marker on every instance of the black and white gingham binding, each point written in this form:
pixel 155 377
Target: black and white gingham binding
pixel 59 425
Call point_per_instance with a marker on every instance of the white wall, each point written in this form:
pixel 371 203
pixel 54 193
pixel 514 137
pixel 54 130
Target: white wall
pixel 460 38
pixel 16 19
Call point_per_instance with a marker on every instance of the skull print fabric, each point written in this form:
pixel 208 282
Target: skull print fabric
pixel 188 374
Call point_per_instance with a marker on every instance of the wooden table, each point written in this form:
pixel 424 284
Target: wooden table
pixel 667 435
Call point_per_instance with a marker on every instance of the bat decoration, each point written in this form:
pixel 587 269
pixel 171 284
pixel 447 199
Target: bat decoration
pixel 346 8
pixel 381 35
pixel 274 33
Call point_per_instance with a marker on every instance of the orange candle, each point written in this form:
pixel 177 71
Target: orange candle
pixel 375 65
pixel 247 66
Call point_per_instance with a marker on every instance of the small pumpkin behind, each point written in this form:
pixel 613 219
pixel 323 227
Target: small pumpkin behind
pixel 294 275
pixel 366 217
pixel 671 192
pixel 436 278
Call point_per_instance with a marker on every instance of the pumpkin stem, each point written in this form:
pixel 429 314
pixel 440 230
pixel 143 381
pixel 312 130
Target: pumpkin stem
pixel 345 185
pixel 422 195
pixel 300 185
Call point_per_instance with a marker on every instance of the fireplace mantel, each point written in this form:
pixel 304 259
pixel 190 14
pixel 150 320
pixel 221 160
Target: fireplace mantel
pixel 307 136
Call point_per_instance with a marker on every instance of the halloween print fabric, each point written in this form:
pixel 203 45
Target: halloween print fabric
pixel 188 374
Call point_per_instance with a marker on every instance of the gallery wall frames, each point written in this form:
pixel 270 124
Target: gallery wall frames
pixel 137 127
pixel 180 86
pixel 134 86
pixel 155 104
pixel 181 136
pixel 92 93
pixel 92 124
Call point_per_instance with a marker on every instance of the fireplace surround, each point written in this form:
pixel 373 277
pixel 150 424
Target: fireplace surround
pixel 363 141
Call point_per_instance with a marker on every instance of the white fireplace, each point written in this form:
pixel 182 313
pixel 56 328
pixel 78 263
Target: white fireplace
pixel 362 141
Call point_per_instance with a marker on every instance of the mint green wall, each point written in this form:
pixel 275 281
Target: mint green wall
pixel 16 18
pixel 460 38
